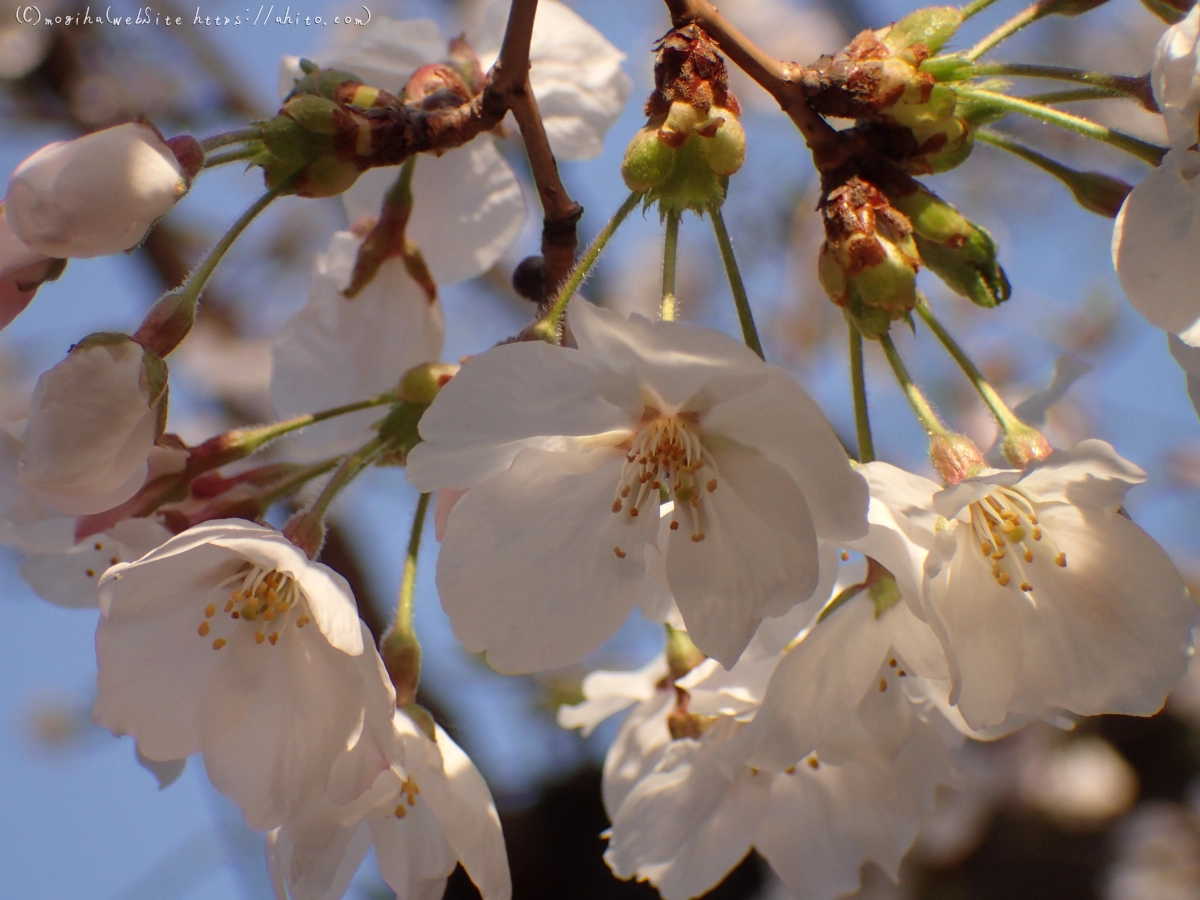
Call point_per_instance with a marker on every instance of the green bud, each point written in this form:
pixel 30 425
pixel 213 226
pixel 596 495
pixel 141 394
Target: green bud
pixel 1097 192
pixel 421 384
pixel 1069 7
pixel 399 428
pixel 969 270
pixel 931 27
pixel 692 183
pixel 890 283
pixel 725 151
pixel 401 654
pixel 322 82
pixel 648 160
pixel 933 218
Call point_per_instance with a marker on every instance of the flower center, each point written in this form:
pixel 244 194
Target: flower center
pixel 1010 537
pixel 408 793
pixel 666 455
pixel 263 599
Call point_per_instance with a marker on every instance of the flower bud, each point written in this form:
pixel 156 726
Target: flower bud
pixel 1170 11
pixel 1069 7
pixel 95 195
pixel 435 86
pixel 461 57
pixel 962 254
pixel 955 457
pixel 421 384
pixel 927 28
pixel 401 654
pixel 1023 444
pixel 682 654
pixel 868 264
pixel 22 271
pixel 93 421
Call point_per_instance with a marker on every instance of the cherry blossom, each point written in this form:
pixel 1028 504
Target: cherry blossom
pixel 22 271
pixel 467 203
pixel 1175 80
pixel 95 195
pixel 425 808
pixel 93 422
pixel 339 350
pixel 228 640
pixel 1044 595
pixel 566 451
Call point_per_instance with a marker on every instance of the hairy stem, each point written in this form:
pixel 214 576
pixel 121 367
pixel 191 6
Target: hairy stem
pixel 1150 153
pixel 241 136
pixel 1006 30
pixel 670 256
pixel 575 279
pixel 928 418
pixel 351 467
pixel 219 159
pixel 1135 86
pixel 975 7
pixel 858 385
pixel 745 314
pixel 408 581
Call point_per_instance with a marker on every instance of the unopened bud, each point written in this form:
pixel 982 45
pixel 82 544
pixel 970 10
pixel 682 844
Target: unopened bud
pixel 462 58
pixel 321 82
pixel 648 160
pixel 307 531
pixel 1097 192
pixel 869 259
pixel 955 457
pixel 401 654
pixel 959 252
pixel 421 384
pixel 1023 444
pixel 529 278
pixel 1069 7
pixel 315 114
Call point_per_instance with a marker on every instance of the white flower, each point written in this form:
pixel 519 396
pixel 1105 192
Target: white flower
pixel 1044 596
pixel 339 350
pixel 1175 80
pixel 93 421
pixel 95 195
pixel 425 807
pixel 467 204
pixel 228 640
pixel 1188 357
pixel 22 271
pixel 1154 242
pixel 686 806
pixel 565 453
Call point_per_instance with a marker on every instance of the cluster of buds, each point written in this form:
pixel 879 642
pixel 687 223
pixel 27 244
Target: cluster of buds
pixel 876 241
pixel 880 80
pixel 693 139
pixel 327 132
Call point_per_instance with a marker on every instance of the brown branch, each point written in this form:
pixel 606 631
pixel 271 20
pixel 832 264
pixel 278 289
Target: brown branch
pixel 560 212
pixel 781 79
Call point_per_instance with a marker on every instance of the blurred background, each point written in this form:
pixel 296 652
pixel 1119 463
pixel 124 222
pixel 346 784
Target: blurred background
pixel 1110 810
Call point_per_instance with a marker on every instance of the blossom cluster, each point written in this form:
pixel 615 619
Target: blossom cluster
pixel 834 629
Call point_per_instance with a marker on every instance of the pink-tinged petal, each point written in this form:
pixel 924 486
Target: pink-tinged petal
pixel 780 420
pixel 444 501
pixel 516 396
pixel 496 585
pixel 608 693
pixel 468 208
pixel 1154 240
pixel 640 743
pixel 685 826
pixel 275 718
pixel 818 684
pixel 674 361
pixel 1091 473
pixel 758 557
pixel 460 799
pixel 60 204
pixel 716 691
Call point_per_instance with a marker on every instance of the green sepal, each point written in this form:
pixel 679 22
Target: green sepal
pixel 982 281
pixel 932 27
pixel 399 429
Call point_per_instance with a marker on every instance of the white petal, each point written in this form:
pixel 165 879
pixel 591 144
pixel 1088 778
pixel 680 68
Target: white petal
pixel 338 350
pixel 276 717
pixel 388 51
pixel 782 422
pixel 575 73
pixel 90 430
pixel 607 693
pixel 468 208
pixel 1188 358
pixel 758 557
pixel 1175 79
pixel 463 805
pixel 516 396
pixel 1090 474
pixel 640 743
pixel 776 633
pixel 528 571
pixel 1154 238
pixel 817 685
pixel 685 826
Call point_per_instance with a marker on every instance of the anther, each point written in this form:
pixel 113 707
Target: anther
pixel 1004 579
pixel 882 685
pixel 845 556
pixel 228 606
pixel 633 511
pixel 203 630
pixel 210 610
pixel 1028 555
pixel 892 662
pixel 901 673
pixel 114 560
pixel 1026 586
pixel 674 524
pixel 711 486
pixel 99 546
pixel 219 643
pixel 91 573
pixel 400 812
pixel 1061 560
pixel 259 637
pixel 273 637
pixel 697 538
pixel 814 763
pixel 616 507
pixel 619 552
pixel 302 621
